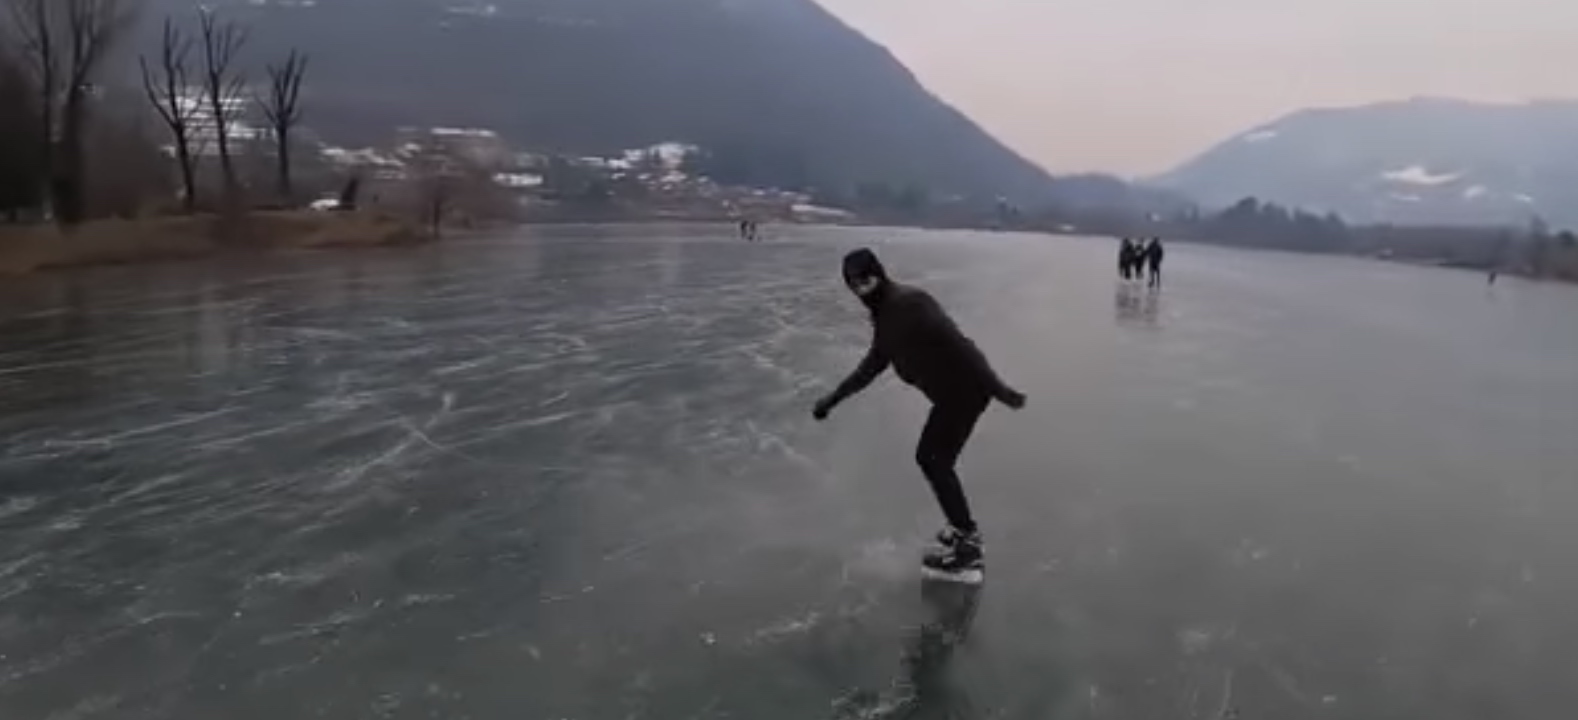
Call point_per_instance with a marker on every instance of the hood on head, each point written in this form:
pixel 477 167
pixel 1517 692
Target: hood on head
pixel 864 274
pixel 863 263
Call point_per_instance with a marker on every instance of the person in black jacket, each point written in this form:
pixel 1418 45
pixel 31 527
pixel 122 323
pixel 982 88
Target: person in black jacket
pixel 912 333
pixel 1153 256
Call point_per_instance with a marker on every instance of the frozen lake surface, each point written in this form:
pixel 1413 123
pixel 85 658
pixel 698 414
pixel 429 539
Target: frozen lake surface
pixel 573 474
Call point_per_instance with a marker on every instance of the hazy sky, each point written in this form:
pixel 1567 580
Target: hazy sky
pixel 1135 86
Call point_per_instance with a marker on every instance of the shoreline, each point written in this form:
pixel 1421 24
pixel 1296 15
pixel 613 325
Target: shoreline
pixel 31 249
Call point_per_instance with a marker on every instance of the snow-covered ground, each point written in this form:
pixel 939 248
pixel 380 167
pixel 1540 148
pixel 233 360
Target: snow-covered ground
pixel 573 474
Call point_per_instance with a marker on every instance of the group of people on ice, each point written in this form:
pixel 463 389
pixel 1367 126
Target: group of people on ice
pixel 1134 256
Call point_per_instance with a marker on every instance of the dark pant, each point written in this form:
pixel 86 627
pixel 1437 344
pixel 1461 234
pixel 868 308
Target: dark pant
pixel 947 429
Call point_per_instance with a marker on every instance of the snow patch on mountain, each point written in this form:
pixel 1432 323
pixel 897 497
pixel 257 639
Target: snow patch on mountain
pixel 1469 163
pixel 474 10
pixel 1420 175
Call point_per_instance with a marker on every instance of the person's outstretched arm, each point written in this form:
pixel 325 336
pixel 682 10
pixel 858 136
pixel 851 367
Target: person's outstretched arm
pixel 983 369
pixel 867 371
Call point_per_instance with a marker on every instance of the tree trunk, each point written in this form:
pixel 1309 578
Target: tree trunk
pixel 183 155
pixel 67 186
pixel 47 121
pixel 285 191
pixel 222 136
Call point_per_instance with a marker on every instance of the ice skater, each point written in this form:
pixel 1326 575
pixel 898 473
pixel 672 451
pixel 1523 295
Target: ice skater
pixel 1153 257
pixel 911 332
pixel 1125 258
pixel 1137 260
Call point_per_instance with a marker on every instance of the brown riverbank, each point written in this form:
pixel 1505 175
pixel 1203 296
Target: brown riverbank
pixel 29 248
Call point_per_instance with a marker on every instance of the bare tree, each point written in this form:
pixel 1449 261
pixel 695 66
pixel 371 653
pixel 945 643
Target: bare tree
pixel 126 165
pixel 32 22
pixel 456 190
pixel 92 26
pixel 437 196
pixel 167 92
pixel 65 42
pixel 282 107
pixel 222 85
pixel 21 171
pixel 435 175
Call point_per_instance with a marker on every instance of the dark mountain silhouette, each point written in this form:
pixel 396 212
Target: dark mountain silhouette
pixel 781 85
pixel 1421 161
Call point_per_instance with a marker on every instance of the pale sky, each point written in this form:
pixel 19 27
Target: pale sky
pixel 1135 86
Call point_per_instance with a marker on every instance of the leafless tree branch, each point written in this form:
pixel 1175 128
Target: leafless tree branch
pixel 31 22
pixel 168 94
pixel 222 43
pixel 282 107
pixel 66 42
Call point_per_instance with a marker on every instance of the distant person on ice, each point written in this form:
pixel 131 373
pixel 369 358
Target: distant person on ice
pixel 911 332
pixel 1153 257
pixel 1125 258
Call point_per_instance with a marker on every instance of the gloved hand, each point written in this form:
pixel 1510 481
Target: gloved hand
pixel 1012 398
pixel 823 407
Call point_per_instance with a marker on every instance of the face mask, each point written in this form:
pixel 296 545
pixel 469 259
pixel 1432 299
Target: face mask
pixel 864 286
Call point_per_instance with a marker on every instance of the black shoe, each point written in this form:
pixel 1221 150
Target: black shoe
pixel 947 536
pixel 959 562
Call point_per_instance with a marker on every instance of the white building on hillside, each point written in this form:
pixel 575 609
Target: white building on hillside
pixel 476 145
pixel 203 129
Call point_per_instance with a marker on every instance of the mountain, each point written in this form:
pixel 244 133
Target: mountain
pixel 793 95
pixel 1087 192
pixel 1420 161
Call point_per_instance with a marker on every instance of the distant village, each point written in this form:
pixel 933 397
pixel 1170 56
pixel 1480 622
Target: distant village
pixel 494 180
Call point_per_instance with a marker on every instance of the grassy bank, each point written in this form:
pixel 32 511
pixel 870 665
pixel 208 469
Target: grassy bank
pixel 30 248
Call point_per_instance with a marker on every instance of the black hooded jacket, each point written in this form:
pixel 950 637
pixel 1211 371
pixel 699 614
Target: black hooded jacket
pixel 912 333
